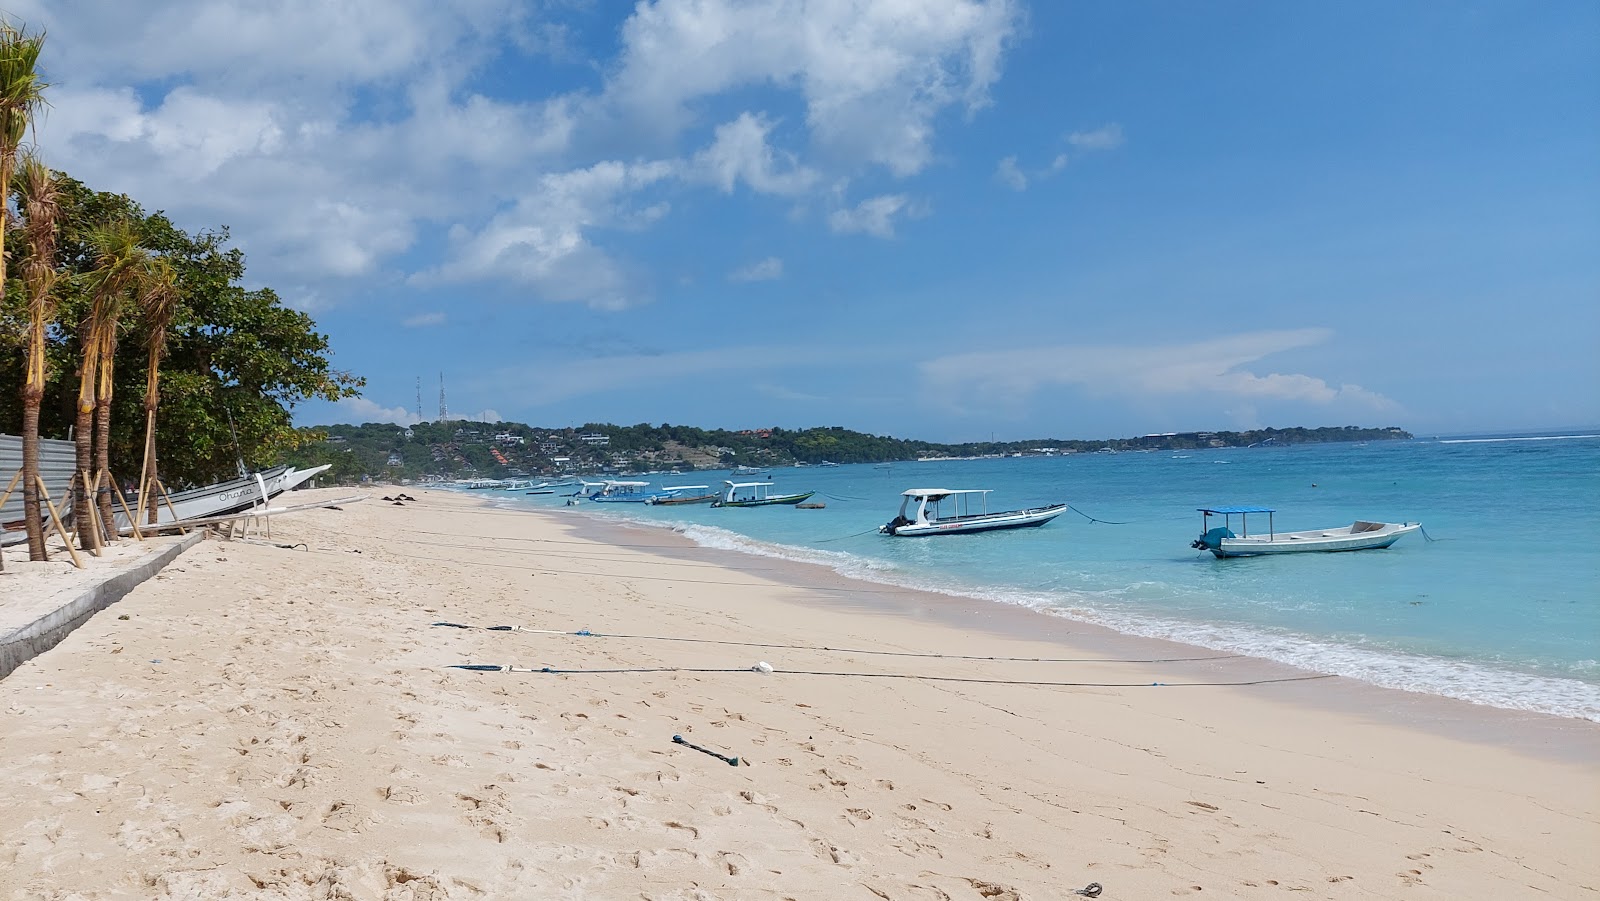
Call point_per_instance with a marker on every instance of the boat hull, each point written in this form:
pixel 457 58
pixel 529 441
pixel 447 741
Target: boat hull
pixel 681 501
pixel 783 500
pixel 968 525
pixel 1316 541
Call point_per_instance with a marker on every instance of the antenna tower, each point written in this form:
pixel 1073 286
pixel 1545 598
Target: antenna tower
pixel 444 411
pixel 419 398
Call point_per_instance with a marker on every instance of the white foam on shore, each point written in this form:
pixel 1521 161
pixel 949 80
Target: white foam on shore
pixel 1473 682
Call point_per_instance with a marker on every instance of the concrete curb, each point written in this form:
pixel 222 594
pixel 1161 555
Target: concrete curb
pixel 26 642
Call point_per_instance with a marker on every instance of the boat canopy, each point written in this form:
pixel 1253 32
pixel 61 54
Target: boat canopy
pixel 1237 508
pixel 684 487
pixel 749 484
pixel 935 493
pixel 614 483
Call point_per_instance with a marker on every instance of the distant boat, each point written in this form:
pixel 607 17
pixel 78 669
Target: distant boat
pixel 755 494
pixel 1360 535
pixel 617 491
pixel 750 471
pixel 921 514
pixel 676 495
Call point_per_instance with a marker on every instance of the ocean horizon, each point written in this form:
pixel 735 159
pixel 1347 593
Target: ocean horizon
pixel 1487 604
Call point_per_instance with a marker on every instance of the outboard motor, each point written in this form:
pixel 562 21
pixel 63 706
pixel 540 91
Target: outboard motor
pixel 889 527
pixel 1212 539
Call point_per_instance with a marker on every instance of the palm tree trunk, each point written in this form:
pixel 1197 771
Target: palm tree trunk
pixel 102 466
pixel 30 477
pixel 83 434
pixel 148 475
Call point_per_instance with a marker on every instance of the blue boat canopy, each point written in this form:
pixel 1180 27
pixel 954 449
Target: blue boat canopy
pixel 1245 508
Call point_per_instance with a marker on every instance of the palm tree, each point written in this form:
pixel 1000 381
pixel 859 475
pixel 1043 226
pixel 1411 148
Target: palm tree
pixel 38 201
pixel 21 94
pixel 118 261
pixel 158 297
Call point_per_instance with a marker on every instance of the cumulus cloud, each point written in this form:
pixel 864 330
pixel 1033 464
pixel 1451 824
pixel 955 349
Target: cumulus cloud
pixel 741 153
pixel 423 320
pixel 873 76
pixel 360 409
pixel 763 271
pixel 874 216
pixel 331 138
pixel 543 241
pixel 1207 367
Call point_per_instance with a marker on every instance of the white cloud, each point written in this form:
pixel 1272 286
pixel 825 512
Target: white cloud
pixel 873 75
pixel 874 216
pixel 1011 376
pixel 763 271
pixel 741 153
pixel 543 243
pixel 422 320
pixel 360 409
pixel 1106 137
pixel 1009 173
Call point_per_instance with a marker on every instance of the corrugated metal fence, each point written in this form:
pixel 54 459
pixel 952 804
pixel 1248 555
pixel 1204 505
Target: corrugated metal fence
pixel 58 460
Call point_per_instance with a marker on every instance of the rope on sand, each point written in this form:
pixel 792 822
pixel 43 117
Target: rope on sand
pixel 585 633
pixel 765 669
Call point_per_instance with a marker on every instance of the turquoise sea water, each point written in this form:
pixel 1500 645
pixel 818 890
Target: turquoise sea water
pixel 1502 607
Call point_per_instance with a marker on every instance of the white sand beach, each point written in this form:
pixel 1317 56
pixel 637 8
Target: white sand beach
pixel 278 722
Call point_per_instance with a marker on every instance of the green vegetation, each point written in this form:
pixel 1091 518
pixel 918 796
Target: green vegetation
pixel 458 449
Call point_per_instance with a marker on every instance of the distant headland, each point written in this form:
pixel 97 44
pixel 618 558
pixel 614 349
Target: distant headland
pixel 457 448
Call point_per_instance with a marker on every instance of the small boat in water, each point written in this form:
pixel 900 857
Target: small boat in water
pixel 921 513
pixel 675 495
pixel 617 491
pixel 1360 535
pixel 755 494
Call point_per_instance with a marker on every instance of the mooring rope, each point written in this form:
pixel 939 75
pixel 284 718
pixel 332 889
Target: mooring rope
pixel 916 677
pixel 1093 519
pixel 585 633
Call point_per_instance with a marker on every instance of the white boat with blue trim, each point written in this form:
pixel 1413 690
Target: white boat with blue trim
pixel 1360 535
pixel 947 511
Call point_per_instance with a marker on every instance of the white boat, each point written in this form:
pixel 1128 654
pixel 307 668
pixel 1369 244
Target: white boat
pixel 231 496
pixel 618 491
pixel 675 495
pixel 755 494
pixel 1360 535
pixel 946 511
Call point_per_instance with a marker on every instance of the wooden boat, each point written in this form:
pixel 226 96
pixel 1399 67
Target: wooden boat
pixel 1360 535
pixel 676 495
pixel 755 494
pixel 946 511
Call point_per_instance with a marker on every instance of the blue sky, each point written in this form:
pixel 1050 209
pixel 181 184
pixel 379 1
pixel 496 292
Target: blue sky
pixel 940 219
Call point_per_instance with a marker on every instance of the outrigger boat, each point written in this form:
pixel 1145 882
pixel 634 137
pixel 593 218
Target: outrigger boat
pixel 673 495
pixel 920 514
pixel 231 496
pixel 1360 535
pixel 755 494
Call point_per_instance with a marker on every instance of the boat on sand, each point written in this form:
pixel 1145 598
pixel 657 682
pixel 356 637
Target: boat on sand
pixel 1360 535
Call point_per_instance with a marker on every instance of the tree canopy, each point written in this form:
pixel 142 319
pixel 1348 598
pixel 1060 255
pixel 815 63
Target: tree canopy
pixel 232 352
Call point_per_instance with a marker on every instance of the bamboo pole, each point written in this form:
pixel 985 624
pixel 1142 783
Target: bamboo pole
pixel 10 488
pixel 168 498
pixel 133 521
pixel 55 516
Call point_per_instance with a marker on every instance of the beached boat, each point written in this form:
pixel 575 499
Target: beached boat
pixel 1360 535
pixel 675 495
pixel 945 511
pixel 755 494
pixel 222 498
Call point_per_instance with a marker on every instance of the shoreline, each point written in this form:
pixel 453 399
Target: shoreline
pixel 281 719
pixel 1559 738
